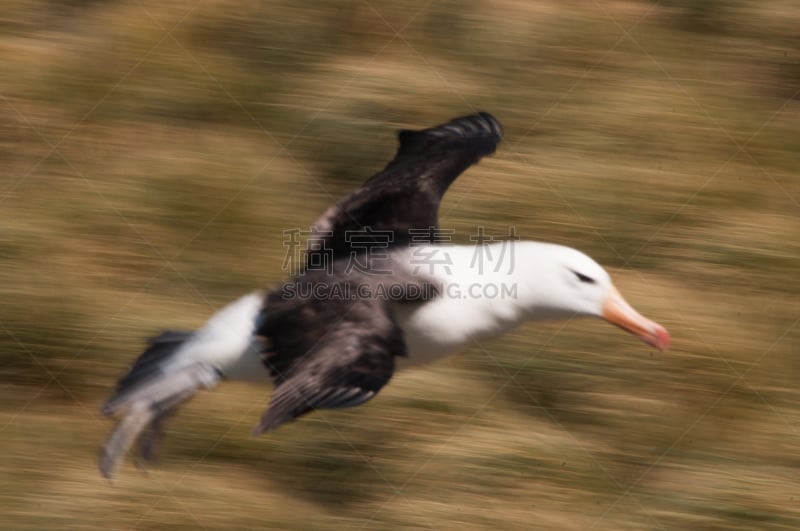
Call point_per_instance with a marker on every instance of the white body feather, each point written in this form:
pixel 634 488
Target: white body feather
pixel 488 290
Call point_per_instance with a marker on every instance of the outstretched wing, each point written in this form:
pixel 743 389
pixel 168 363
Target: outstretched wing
pixel 332 350
pixel 406 194
pixel 346 369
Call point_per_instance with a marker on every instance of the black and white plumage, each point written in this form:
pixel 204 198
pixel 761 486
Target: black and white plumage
pixel 323 349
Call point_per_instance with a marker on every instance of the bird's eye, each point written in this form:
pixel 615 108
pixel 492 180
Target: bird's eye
pixel 584 278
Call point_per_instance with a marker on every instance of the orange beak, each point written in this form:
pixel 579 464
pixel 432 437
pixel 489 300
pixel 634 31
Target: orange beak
pixel 617 311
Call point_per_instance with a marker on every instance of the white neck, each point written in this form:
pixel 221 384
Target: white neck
pixel 486 290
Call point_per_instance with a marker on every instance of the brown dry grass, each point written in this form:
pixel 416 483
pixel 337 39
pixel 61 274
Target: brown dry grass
pixel 148 179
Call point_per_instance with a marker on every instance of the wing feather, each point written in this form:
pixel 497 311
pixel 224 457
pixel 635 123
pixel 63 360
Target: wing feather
pixel 405 195
pixel 328 353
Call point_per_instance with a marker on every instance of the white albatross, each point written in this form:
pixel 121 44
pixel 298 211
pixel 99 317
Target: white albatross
pixel 333 337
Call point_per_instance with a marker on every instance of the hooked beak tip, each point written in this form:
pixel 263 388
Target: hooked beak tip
pixel 660 338
pixel 617 311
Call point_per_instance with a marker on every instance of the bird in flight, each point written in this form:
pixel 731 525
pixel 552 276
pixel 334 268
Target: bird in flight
pixel 378 292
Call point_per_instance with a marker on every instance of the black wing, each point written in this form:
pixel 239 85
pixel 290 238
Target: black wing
pixel 406 193
pixel 332 350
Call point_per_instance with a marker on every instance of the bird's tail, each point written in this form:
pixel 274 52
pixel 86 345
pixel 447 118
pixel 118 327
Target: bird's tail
pixel 146 370
pixel 160 379
pixel 173 368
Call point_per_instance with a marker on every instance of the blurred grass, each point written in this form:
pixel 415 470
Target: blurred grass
pixel 154 152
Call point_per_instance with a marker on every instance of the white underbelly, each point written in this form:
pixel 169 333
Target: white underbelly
pixel 249 367
pixel 444 327
pixel 422 348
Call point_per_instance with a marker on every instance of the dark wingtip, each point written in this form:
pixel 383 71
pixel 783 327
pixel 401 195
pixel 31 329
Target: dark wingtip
pixel 270 421
pixel 481 129
pixel 479 125
pixel 262 427
pixel 492 124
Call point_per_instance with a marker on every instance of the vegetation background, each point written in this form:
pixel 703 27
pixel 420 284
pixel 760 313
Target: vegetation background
pixel 153 152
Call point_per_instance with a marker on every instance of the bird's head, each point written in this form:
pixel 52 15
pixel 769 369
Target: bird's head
pixel 570 282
